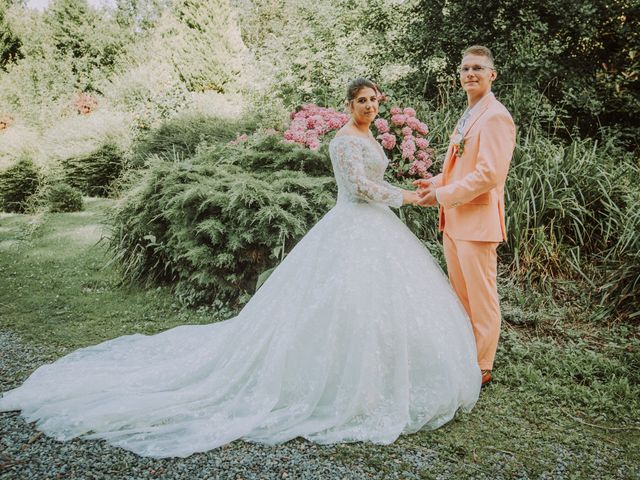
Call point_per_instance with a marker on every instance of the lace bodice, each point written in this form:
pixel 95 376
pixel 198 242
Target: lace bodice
pixel 359 165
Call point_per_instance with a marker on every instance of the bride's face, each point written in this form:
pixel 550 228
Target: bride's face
pixel 364 107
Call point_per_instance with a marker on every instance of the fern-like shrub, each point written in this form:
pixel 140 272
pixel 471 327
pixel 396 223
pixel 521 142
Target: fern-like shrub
pixel 94 173
pixel 17 184
pixel 212 224
pixel 179 136
pixel 61 197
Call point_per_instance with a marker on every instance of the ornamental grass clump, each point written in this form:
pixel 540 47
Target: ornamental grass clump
pixel 211 224
pixel 572 211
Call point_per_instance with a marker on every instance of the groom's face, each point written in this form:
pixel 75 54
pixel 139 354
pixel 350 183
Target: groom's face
pixel 476 74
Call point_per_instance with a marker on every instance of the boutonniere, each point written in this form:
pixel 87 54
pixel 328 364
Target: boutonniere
pixel 458 144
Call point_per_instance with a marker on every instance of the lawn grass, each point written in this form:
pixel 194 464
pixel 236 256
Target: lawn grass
pixel 565 402
pixel 58 292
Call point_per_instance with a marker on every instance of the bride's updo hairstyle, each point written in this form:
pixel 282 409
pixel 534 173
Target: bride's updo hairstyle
pixel 358 84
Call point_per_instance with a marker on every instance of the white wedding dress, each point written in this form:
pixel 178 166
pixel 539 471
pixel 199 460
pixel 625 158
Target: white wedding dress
pixel 356 336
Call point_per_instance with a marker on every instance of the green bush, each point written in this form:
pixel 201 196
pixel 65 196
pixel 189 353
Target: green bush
pixel 572 210
pixel 93 174
pixel 17 184
pixel 211 225
pixel 64 198
pixel 180 136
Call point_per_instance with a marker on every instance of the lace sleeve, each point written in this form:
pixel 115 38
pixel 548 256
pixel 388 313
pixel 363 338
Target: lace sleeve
pixel 351 164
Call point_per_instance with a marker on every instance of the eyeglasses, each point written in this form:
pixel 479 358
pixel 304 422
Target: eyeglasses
pixel 474 68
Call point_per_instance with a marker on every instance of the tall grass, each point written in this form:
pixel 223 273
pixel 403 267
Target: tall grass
pixel 572 204
pixel 573 210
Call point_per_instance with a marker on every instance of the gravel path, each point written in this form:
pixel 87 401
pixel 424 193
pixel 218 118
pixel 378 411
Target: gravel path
pixel 26 453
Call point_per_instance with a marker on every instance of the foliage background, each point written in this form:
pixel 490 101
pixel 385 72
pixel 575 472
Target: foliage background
pixel 147 102
pixel 121 101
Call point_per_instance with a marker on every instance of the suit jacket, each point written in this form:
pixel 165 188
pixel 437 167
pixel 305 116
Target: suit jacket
pixel 470 189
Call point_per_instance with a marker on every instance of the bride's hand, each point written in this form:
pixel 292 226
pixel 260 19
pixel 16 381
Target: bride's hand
pixel 410 197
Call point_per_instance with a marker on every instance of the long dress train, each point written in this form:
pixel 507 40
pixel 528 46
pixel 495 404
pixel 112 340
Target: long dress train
pixel 356 335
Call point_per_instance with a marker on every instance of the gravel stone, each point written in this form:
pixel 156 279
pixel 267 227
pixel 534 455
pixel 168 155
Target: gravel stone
pixel 25 453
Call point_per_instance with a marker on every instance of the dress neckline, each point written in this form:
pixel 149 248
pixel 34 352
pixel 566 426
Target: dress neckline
pixel 370 140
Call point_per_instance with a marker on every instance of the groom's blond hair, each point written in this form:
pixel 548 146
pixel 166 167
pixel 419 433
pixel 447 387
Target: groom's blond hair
pixel 480 50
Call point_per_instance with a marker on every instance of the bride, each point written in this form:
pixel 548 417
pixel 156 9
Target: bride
pixel 356 336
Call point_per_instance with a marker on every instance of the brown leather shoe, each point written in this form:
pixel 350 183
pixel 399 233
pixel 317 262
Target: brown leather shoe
pixel 486 377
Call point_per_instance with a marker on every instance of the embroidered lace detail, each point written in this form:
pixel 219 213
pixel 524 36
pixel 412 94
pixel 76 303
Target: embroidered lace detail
pixel 359 166
pixel 335 346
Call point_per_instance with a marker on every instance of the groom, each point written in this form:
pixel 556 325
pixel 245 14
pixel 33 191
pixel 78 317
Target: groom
pixel 470 194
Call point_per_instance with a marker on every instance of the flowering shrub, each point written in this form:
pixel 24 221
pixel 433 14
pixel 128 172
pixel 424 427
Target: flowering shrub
pixel 84 103
pixel 402 135
pixel 5 121
pixel 311 122
pixel 241 138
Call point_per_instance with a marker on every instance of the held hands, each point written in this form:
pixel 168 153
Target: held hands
pixel 426 193
pixel 425 196
pixel 410 197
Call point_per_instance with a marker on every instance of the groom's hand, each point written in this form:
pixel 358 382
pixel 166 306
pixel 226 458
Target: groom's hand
pixel 422 183
pixel 427 193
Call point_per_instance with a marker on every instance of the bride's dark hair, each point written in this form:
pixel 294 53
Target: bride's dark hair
pixel 358 84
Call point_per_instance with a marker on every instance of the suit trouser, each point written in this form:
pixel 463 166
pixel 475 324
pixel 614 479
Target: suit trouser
pixel 473 268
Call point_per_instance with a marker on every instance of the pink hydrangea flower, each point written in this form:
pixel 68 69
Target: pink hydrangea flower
pixel 418 167
pixel 409 112
pixel 299 136
pixel 398 119
pixel 408 147
pixel 424 157
pixel 407 132
pixel 382 125
pixel 413 122
pixel 423 129
pixel 395 110
pixel 310 122
pixel 314 145
pixel 388 141
pixel 422 143
pixel 335 122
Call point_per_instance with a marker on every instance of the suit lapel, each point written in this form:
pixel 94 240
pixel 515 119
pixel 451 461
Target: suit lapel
pixel 475 115
pixel 477 112
pixel 448 163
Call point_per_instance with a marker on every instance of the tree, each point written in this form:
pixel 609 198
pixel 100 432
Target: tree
pixel 9 42
pixel 92 39
pixel 583 55
pixel 140 15
pixel 205 43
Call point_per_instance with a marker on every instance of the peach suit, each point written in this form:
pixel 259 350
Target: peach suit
pixel 470 191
